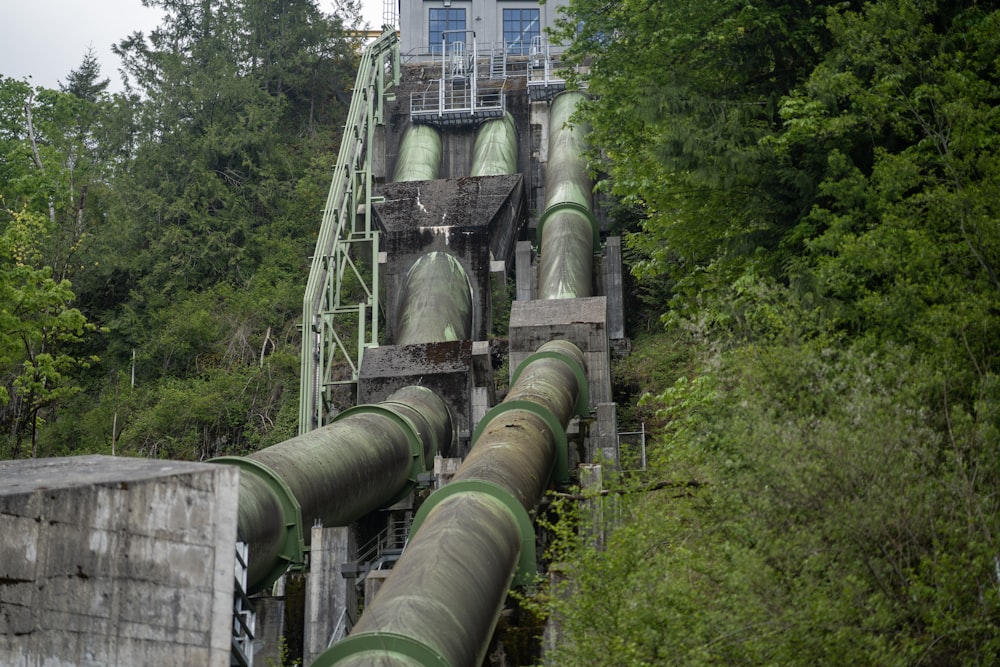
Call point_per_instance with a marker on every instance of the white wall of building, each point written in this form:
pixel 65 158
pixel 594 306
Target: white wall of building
pixel 484 17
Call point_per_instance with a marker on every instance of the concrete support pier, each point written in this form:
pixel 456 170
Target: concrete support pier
pixel 116 561
pixel 331 601
pixel 583 322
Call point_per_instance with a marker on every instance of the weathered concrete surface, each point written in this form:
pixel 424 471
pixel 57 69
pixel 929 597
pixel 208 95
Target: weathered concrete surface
pixel 475 219
pixel 611 265
pixel 270 607
pixel 524 272
pixel 583 322
pixel 331 599
pixel 116 561
pixel 449 369
pixel 603 443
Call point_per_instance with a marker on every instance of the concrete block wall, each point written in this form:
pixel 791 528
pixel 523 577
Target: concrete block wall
pixel 445 368
pixel 331 599
pixel 476 220
pixel 116 561
pixel 583 322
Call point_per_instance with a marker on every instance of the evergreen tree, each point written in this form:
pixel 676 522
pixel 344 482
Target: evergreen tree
pixel 211 219
pixel 85 82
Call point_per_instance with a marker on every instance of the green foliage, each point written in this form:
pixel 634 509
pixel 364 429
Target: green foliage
pixel 85 83
pixel 656 360
pixel 835 523
pixel 37 327
pixel 215 414
pixel 501 296
pixel 682 112
pixel 283 658
pixel 184 210
pixel 822 239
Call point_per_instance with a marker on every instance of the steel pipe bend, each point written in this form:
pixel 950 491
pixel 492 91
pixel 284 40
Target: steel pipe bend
pixel 419 155
pixel 435 301
pixel 495 150
pixel 367 458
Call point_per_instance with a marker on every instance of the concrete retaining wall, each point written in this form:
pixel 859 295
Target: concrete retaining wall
pixel 116 561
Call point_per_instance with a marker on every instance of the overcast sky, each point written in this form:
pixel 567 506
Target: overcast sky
pixel 46 39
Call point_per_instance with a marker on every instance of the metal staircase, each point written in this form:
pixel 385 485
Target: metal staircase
pixel 382 551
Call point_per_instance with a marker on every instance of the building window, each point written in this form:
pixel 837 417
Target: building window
pixel 519 27
pixel 440 22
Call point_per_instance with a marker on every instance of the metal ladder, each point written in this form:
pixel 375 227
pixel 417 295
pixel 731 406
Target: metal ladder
pixel 244 617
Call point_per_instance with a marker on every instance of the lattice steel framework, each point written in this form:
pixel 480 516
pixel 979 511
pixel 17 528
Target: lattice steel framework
pixel 340 310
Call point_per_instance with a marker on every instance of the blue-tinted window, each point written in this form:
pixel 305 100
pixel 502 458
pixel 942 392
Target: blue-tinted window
pixel 442 20
pixel 519 26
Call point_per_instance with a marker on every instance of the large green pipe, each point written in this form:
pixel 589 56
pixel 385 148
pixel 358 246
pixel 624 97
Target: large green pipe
pixel 495 150
pixel 567 228
pixel 419 155
pixel 440 604
pixel 435 301
pixel 368 458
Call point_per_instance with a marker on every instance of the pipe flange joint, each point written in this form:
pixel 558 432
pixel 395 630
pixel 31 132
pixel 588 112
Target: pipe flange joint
pixel 380 644
pixel 561 471
pixel 412 437
pixel 433 445
pixel 575 207
pixel 293 549
pixel 527 568
pixel 582 405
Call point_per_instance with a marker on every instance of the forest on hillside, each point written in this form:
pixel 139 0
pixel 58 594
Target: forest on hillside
pixel 154 243
pixel 809 193
pixel 811 197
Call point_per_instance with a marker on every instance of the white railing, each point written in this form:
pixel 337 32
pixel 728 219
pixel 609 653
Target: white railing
pixel 631 452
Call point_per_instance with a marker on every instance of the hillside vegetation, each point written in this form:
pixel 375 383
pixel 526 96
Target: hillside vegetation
pixel 811 190
pixel 155 243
